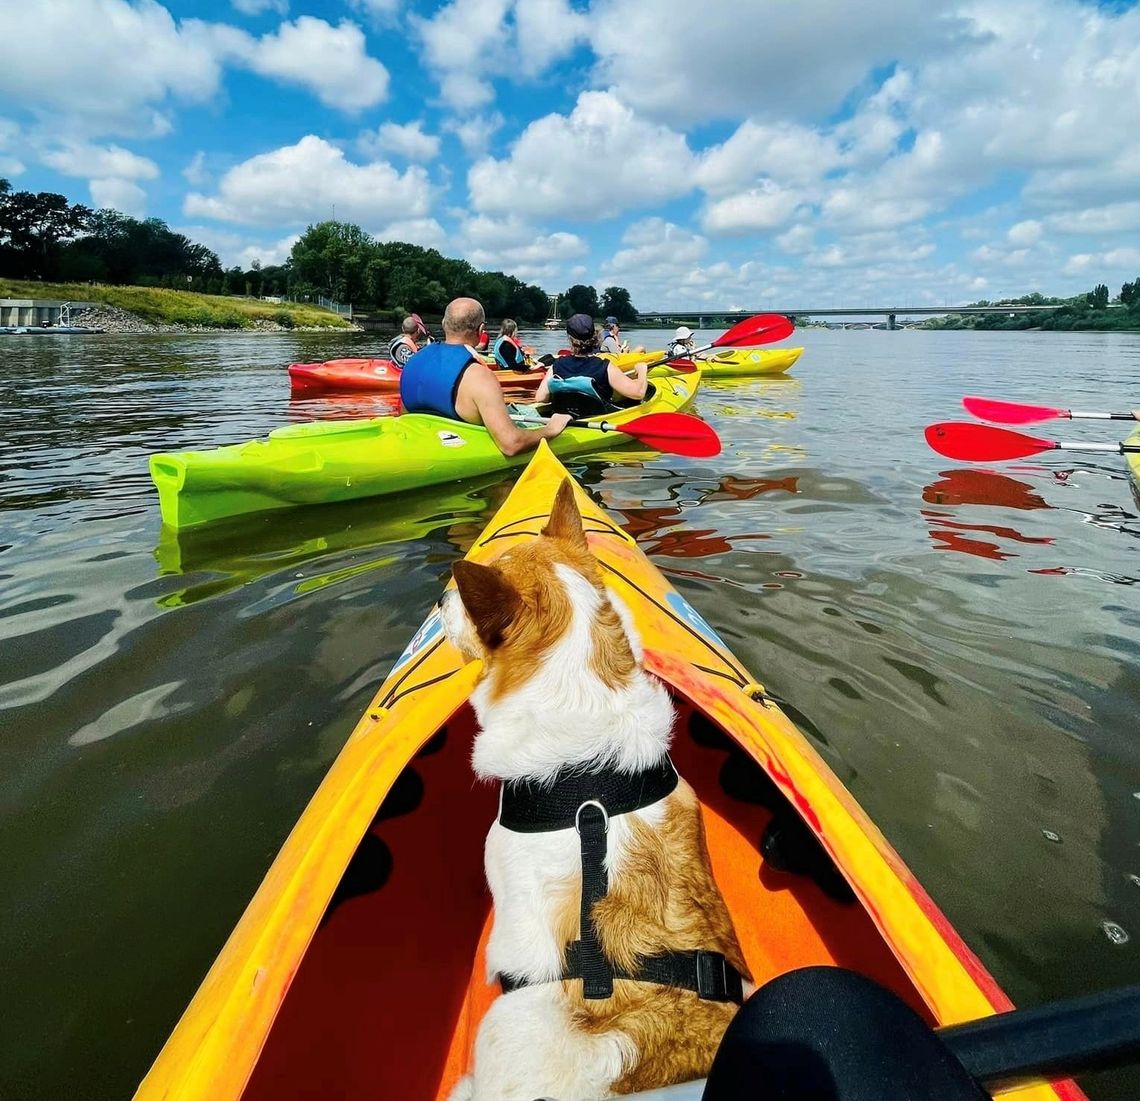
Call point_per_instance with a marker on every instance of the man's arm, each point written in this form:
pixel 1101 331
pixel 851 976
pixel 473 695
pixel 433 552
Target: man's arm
pixel 480 387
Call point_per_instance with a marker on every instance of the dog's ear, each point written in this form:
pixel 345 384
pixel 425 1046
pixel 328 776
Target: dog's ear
pixel 565 520
pixel 489 598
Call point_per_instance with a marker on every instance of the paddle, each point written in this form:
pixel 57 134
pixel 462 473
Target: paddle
pixel 763 328
pixel 1011 412
pixel 980 443
pixel 676 433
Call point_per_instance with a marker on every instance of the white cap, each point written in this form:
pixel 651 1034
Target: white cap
pixel 684 333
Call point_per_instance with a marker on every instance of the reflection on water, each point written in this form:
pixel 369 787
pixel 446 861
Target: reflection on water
pixel 165 722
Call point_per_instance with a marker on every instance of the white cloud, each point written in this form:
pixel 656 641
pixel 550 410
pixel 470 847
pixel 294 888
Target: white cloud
pixel 256 7
pixel 1110 266
pixel 104 161
pixel 475 131
pixel 457 42
pixel 732 58
pixel 466 41
pixel 517 248
pixel 1110 219
pixel 783 152
pixel 195 173
pixel 331 61
pixel 379 11
pixel 1026 233
pixel 113 64
pixel 124 196
pixel 407 140
pixel 237 248
pixel 304 182
pixel 797 240
pixel 594 163
pixel 426 232
pixel 9 139
pixel 761 208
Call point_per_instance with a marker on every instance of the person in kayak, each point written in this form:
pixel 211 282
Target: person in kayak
pixel 450 380
pixel 682 343
pixel 585 375
pixel 508 352
pixel 611 337
pixel 407 342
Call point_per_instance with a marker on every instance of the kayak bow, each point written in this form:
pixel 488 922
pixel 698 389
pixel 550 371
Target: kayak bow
pixel 357 969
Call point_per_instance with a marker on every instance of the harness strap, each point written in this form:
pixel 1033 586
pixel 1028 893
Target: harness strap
pixel 707 974
pixel 587 801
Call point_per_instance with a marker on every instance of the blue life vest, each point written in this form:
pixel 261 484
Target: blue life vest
pixel 590 368
pixel 502 360
pixel 430 379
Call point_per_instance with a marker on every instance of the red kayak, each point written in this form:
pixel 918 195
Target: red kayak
pixel 346 375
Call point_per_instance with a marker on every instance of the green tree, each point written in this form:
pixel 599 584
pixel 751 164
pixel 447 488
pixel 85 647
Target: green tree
pixel 1098 297
pixel 580 299
pixel 33 226
pixel 1129 293
pixel 616 303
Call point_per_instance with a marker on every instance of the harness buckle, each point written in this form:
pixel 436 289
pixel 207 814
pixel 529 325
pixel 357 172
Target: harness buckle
pixel 591 803
pixel 712 976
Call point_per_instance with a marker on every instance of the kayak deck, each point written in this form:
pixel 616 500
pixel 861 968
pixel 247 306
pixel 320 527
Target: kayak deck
pixel 377 376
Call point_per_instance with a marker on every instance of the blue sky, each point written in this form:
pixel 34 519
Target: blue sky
pixel 735 154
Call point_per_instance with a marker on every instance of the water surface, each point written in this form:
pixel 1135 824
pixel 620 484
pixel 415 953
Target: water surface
pixel 960 643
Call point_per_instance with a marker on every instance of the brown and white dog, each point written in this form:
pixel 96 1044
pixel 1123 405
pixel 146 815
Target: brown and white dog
pixel 563 685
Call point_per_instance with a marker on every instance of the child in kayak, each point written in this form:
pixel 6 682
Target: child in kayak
pixel 508 352
pixel 583 379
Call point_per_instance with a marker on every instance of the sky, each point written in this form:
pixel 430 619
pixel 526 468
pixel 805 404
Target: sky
pixel 733 154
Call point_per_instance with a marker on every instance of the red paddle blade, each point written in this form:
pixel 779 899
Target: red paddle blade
pixel 761 329
pixel 1010 412
pixel 678 433
pixel 979 443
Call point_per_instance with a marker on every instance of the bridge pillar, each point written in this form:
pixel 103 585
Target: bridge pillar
pixel 891 321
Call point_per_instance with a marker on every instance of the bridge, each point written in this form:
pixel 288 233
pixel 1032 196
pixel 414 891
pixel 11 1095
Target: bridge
pixel 889 312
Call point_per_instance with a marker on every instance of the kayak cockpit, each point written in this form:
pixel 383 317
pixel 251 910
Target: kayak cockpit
pixel 389 995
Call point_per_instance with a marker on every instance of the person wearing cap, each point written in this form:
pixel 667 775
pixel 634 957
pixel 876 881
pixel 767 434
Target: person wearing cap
pixel 611 337
pixel 586 373
pixel 451 380
pixel 682 343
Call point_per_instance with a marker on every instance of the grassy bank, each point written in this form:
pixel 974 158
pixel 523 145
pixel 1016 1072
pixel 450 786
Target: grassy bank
pixel 165 307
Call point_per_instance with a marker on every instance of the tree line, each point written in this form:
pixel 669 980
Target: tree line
pixel 45 237
pixel 1082 311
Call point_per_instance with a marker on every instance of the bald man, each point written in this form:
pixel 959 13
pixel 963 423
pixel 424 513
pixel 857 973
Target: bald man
pixel 450 380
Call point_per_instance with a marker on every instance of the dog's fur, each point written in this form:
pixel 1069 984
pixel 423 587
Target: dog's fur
pixel 563 684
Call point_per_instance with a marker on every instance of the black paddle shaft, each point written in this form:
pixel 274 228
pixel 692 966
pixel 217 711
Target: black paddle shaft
pixel 1062 1038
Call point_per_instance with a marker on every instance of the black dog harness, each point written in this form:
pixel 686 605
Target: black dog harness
pixel 587 801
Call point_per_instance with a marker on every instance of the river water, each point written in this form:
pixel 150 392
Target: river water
pixel 961 644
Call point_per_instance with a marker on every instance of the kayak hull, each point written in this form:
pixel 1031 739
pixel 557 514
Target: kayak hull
pixel 322 462
pixel 1133 458
pixel 346 376
pixel 357 969
pixel 727 362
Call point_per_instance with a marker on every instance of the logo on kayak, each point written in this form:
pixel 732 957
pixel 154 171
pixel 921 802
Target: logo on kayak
pixel 688 614
pixel 429 631
pixel 450 439
pixel 756 357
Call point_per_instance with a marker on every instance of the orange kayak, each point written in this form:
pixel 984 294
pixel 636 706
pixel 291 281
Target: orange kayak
pixel 357 970
pixel 348 375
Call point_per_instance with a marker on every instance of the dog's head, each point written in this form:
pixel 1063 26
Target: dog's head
pixel 540 597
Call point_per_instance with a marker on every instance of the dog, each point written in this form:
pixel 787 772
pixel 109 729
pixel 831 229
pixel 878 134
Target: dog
pixel 563 703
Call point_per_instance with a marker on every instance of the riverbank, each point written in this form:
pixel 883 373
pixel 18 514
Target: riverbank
pixel 158 310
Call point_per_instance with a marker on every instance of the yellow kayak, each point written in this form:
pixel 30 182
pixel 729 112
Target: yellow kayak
pixel 1133 458
pixel 727 362
pixel 357 970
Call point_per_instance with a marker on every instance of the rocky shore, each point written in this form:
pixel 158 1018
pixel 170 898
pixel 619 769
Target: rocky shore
pixel 112 319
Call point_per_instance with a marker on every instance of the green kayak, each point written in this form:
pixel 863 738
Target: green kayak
pixel 321 462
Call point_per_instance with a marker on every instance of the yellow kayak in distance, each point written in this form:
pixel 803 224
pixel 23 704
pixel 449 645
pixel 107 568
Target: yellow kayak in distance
pixel 1133 458
pixel 726 362
pixel 357 969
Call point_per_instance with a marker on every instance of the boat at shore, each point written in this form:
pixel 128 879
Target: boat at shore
pixel 357 969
